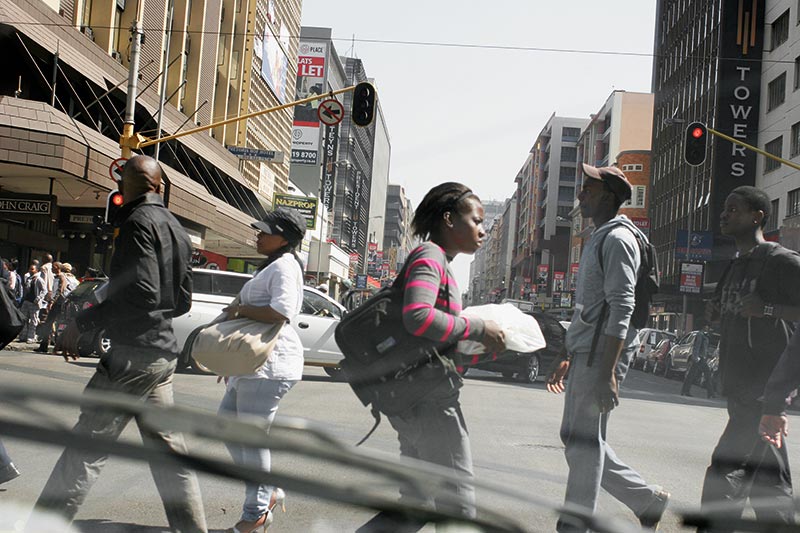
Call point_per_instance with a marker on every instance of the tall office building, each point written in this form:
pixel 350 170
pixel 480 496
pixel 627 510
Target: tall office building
pixel 397 238
pixel 57 140
pixel 354 181
pixel 620 134
pixel 545 192
pixel 707 67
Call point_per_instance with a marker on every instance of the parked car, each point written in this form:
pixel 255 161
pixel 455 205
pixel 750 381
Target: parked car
pixel 83 297
pixel 648 339
pixel 677 362
pixel 525 367
pixel 215 289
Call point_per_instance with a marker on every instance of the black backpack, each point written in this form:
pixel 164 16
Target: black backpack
pixel 648 282
pixel 387 367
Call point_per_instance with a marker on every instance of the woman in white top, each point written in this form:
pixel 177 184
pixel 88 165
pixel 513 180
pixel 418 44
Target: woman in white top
pixel 275 294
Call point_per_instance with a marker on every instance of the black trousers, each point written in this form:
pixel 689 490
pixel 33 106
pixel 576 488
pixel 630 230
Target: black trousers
pixel 743 466
pixel 698 368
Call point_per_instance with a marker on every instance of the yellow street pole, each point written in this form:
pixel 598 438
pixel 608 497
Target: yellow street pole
pixel 753 148
pixel 139 141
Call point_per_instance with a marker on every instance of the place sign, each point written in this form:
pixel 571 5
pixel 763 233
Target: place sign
pixel 254 154
pixel 28 206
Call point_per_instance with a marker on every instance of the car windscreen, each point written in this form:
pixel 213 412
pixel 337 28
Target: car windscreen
pixel 217 284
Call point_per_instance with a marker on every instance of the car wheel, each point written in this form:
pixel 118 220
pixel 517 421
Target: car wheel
pixel 86 345
pixel 335 372
pixel 530 371
pixel 102 344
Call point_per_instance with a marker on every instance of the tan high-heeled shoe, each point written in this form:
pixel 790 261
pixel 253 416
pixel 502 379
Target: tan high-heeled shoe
pixel 278 497
pixel 248 526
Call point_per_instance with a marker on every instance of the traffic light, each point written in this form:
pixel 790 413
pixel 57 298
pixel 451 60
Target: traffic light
pixel 113 204
pixel 696 141
pixel 363 108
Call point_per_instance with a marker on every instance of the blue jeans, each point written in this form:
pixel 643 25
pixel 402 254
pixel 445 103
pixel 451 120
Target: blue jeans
pixel 141 373
pixel 591 460
pixel 260 398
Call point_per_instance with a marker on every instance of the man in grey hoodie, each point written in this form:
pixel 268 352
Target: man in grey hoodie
pixel 604 299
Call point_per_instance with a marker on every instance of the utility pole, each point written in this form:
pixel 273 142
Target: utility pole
pixel 133 82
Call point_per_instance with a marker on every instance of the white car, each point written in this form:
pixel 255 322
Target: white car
pixel 215 289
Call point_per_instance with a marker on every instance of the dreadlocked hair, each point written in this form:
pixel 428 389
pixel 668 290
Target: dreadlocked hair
pixel 450 196
pixel 289 248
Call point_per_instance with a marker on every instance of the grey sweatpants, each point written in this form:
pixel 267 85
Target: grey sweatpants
pixel 591 460
pixel 144 374
pixel 434 430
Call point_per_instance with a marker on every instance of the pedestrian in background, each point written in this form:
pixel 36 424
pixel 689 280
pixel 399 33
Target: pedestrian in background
pixel 15 281
pixel 150 283
pixel 46 270
pixel 64 284
pixel 757 299
pixel 273 295
pixel 33 300
pixel 592 390
pixel 698 364
pixel 450 222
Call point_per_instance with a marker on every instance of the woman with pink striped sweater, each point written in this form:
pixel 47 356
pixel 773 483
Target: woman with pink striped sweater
pixel 450 217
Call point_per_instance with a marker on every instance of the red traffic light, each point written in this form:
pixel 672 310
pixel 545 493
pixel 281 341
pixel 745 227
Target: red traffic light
pixel 697 133
pixel 116 199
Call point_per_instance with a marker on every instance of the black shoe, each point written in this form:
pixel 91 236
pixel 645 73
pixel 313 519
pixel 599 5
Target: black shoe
pixel 9 472
pixel 652 514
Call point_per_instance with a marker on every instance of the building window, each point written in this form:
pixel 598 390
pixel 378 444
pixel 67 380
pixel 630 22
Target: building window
pixel 797 71
pixel 793 207
pixel 772 221
pixel 780 30
pixel 774 147
pixel 637 197
pixel 776 92
pixel 567 173
pixel 566 194
pixel 794 149
pixel 573 133
pixel 632 168
pixel 569 153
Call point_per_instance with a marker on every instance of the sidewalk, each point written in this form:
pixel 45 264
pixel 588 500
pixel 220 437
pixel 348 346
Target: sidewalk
pixel 22 346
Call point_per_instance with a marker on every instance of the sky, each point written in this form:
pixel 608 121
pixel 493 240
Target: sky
pixel 471 114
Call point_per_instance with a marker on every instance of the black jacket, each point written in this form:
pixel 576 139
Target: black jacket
pixel 750 347
pixel 150 278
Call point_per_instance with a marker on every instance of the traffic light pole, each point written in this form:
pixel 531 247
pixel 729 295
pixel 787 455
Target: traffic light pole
pixel 133 83
pixel 753 148
pixel 135 141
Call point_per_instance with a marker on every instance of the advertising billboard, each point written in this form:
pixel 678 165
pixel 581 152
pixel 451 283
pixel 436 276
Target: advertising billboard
pixel 698 246
pixel 274 61
pixel 542 273
pixel 310 81
pixel 303 205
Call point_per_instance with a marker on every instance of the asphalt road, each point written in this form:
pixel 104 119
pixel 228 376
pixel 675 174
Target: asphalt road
pixel 514 435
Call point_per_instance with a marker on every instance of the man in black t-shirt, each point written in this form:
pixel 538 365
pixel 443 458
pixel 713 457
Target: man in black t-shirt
pixel 757 299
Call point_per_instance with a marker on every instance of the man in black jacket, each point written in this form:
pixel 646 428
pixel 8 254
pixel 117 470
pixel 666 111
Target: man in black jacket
pixel 150 283
pixel 757 299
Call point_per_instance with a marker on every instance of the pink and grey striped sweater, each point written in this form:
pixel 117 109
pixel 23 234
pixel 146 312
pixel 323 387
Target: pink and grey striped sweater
pixel 425 301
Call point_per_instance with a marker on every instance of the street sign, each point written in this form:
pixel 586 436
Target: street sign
pixel 330 112
pixel 691 278
pixel 254 154
pixel 115 168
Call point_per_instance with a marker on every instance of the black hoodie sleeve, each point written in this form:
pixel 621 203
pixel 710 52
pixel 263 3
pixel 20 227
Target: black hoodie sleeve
pixel 784 379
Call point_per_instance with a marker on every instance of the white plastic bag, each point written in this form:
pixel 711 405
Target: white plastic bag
pixel 522 331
